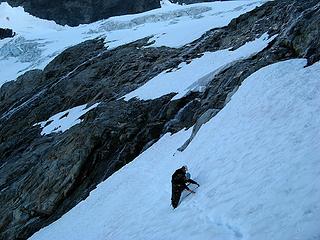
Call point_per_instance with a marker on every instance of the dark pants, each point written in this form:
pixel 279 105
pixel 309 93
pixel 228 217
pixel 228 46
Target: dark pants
pixel 176 194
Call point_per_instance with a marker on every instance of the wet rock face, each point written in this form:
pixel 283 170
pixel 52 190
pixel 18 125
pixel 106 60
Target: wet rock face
pixel 6 33
pixel 73 13
pixel 304 35
pixel 42 177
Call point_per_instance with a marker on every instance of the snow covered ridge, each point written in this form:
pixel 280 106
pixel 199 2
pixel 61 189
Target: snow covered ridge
pixel 257 162
pixel 62 121
pixel 194 76
pixel 38 41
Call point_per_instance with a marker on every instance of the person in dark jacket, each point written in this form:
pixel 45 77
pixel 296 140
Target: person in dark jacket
pixel 179 183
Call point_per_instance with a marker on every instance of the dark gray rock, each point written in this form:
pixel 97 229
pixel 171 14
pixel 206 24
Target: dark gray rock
pixel 15 92
pixel 303 35
pixel 6 33
pixel 73 13
pixel 42 177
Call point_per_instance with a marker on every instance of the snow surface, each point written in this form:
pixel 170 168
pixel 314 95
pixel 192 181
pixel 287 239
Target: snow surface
pixel 257 162
pixel 38 41
pixel 195 75
pixel 62 121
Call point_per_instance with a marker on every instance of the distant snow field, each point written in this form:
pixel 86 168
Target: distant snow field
pixel 38 41
pixel 257 162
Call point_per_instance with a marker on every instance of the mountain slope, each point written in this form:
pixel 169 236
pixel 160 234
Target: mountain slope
pixel 54 151
pixel 257 163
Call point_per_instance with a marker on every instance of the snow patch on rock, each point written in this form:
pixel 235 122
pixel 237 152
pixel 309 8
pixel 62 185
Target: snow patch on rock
pixel 195 75
pixel 62 121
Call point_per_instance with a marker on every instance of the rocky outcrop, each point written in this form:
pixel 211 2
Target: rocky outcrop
pixel 73 13
pixel 6 33
pixel 41 177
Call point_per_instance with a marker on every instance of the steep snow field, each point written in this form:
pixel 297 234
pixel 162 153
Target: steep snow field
pixel 38 41
pixel 257 162
pixel 192 76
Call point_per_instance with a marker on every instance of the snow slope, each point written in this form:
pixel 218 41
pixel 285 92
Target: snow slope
pixel 257 162
pixel 38 41
pixel 191 76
